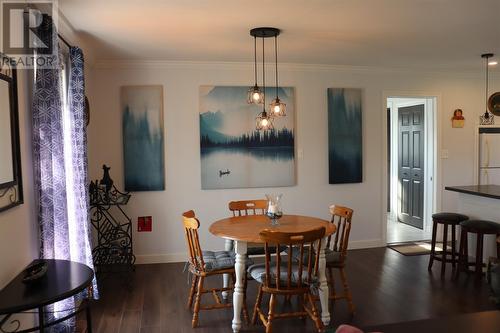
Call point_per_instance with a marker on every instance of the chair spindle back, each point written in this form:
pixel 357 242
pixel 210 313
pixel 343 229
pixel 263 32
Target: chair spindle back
pixel 248 207
pixel 341 217
pixel 275 239
pixel 191 225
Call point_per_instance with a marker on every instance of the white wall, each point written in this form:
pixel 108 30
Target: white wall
pixel 312 195
pixel 18 234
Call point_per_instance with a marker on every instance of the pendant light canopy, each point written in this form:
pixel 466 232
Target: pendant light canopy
pixel 256 95
pixel 487 118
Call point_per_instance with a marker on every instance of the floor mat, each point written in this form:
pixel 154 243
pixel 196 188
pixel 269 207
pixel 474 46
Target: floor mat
pixel 416 248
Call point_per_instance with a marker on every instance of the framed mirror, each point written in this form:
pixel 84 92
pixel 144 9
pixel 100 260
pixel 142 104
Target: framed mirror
pixel 494 103
pixel 11 190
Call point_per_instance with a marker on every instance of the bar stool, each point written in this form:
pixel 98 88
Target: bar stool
pixel 446 219
pixel 480 228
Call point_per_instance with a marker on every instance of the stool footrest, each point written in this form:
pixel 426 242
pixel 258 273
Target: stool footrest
pixel 448 260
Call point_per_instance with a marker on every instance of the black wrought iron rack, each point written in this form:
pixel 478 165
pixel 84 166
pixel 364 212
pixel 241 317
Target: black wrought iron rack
pixel 112 226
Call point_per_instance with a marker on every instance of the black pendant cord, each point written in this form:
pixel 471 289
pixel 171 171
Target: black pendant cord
pixel 276 63
pixel 255 58
pixel 264 76
pixel 486 113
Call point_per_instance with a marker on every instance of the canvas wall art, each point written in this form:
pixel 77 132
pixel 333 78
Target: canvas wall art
pixel 143 137
pixel 233 153
pixel 345 135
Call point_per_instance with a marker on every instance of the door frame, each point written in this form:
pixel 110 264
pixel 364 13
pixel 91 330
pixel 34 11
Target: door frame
pixel 394 166
pixel 435 204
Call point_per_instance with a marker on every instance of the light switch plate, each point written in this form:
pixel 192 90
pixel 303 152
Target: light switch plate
pixel 445 153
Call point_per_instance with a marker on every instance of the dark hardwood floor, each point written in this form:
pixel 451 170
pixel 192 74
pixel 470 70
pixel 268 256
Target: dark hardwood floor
pixel 387 288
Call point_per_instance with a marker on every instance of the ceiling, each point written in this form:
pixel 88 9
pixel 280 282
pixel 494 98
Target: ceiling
pixel 433 34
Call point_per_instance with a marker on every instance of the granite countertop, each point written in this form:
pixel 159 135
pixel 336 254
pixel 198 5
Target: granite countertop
pixel 488 191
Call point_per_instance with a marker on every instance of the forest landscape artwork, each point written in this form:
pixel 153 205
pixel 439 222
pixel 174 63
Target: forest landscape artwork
pixel 233 153
pixel 345 136
pixel 143 137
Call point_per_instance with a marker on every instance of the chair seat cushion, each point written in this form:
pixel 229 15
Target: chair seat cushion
pixel 257 249
pixel 216 260
pixel 331 257
pixel 258 273
pixel 483 225
pixel 450 217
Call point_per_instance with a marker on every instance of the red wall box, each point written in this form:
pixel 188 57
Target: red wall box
pixel 144 223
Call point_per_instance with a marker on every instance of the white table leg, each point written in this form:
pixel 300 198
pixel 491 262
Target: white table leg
pixel 228 246
pixel 241 251
pixel 323 284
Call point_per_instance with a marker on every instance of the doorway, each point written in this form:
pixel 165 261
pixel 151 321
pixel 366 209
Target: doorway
pixel 411 159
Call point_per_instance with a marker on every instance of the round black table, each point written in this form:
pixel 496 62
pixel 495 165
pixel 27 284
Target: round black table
pixel 63 279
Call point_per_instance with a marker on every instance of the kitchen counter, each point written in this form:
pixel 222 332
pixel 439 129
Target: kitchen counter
pixel 487 191
pixel 479 202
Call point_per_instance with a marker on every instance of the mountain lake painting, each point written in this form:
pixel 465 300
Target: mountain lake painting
pixel 233 153
pixel 143 153
pixel 345 136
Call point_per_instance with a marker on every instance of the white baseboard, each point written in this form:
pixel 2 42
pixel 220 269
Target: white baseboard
pixel 160 258
pixel 182 256
pixel 366 244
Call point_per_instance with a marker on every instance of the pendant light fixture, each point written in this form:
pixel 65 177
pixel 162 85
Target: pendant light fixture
pixel 255 94
pixel 277 107
pixel 264 120
pixel 487 118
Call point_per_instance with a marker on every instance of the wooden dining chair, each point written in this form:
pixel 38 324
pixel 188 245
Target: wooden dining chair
pixel 287 278
pixel 250 207
pixel 203 264
pixel 336 252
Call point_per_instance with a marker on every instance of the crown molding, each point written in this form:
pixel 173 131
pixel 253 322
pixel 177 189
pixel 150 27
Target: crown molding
pixel 169 64
pixel 66 29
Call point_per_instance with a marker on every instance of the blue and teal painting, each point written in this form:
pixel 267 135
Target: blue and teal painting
pixel 345 136
pixel 143 138
pixel 233 153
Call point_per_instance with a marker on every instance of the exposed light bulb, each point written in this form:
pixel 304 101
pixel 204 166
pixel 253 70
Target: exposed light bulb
pixel 265 122
pixel 255 95
pixel 492 63
pixel 277 108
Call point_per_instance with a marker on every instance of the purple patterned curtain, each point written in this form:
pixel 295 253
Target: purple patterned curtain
pixel 60 165
pixel 76 160
pixel 48 151
pixel 77 164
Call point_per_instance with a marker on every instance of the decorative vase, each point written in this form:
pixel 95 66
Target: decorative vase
pixel 274 211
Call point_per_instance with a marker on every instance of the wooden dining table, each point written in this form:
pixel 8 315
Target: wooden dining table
pixel 241 230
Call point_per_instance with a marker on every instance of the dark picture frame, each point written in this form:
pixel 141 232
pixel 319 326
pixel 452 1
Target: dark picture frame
pixel 494 103
pixel 11 192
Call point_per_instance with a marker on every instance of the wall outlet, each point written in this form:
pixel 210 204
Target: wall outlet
pixel 300 152
pixel 144 223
